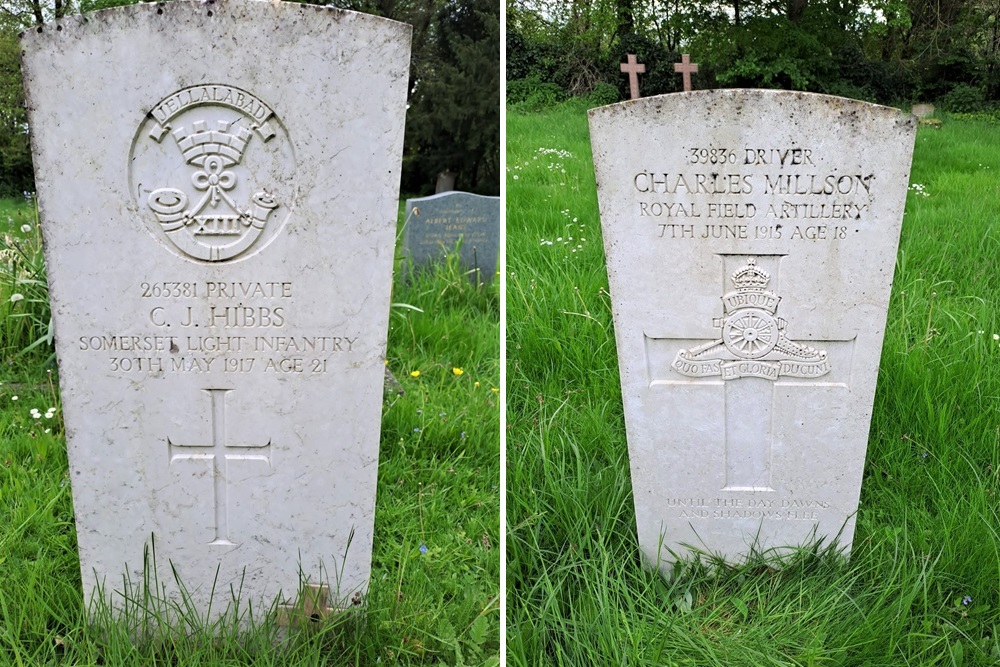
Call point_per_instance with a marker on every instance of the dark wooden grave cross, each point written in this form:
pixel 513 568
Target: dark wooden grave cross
pixel 634 69
pixel 755 360
pixel 220 452
pixel 686 68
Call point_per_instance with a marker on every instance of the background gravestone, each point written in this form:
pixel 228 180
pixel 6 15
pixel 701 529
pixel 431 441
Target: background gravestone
pixel 750 237
pixel 436 223
pixel 219 259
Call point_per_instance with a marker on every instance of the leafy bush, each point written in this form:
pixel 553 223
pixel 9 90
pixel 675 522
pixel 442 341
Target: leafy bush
pixel 602 95
pixel 521 56
pixel 533 94
pixel 964 98
pixel 859 77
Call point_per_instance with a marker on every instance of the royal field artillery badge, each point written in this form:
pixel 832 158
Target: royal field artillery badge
pixel 753 342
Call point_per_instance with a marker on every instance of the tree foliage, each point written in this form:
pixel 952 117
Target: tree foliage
pixel 889 51
pixel 453 122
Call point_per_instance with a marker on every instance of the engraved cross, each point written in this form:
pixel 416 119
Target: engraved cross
pixel 634 69
pixel 755 360
pixel 220 452
pixel 686 68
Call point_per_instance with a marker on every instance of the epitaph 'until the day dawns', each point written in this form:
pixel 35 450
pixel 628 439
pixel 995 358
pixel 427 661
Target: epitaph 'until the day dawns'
pixel 751 237
pixel 219 251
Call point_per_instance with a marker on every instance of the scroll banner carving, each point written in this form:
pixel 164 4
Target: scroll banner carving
pixel 754 342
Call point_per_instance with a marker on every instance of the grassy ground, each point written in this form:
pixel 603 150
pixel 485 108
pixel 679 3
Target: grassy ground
pixel 922 585
pixel 434 596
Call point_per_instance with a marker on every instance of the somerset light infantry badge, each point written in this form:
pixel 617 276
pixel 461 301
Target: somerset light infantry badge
pixel 753 341
pixel 211 170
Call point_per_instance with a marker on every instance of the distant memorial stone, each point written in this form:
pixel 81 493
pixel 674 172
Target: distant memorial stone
pixel 445 182
pixel 437 223
pixel 922 110
pixel 751 237
pixel 220 260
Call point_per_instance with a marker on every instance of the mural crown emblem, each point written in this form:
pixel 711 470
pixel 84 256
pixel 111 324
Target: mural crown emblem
pixel 203 143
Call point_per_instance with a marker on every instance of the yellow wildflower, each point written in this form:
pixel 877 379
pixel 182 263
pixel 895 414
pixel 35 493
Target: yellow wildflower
pixel 457 371
pixel 414 374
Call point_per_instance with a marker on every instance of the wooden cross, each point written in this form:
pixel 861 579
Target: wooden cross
pixel 220 453
pixel 749 358
pixel 686 68
pixel 311 607
pixel 634 69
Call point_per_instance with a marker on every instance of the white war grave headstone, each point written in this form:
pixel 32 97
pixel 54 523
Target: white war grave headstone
pixel 751 237
pixel 217 186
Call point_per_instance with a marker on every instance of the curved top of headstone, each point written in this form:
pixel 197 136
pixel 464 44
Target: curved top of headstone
pixel 748 100
pixel 453 193
pixel 163 12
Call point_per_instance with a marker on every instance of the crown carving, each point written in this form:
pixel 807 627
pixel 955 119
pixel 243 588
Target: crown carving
pixel 751 276
pixel 201 142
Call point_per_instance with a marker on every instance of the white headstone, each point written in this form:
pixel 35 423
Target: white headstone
pixel 751 237
pixel 217 188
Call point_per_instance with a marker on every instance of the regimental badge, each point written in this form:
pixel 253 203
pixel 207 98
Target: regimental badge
pixel 212 171
pixel 754 342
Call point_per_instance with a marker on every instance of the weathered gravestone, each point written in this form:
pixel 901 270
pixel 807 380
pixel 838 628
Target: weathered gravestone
pixel 751 237
pixel 217 187
pixel 436 223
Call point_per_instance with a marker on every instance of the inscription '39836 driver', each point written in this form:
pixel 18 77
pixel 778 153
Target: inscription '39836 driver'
pixel 211 170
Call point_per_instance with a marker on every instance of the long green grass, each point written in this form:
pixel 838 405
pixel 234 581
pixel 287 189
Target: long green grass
pixel 25 323
pixel 435 587
pixel 921 587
